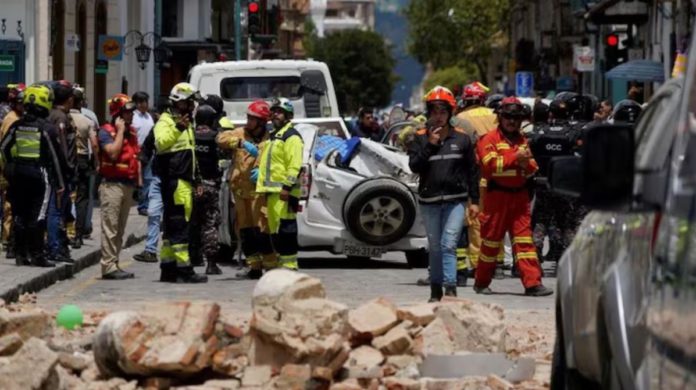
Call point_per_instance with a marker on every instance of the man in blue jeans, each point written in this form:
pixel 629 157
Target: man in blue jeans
pixel 445 160
pixel 155 205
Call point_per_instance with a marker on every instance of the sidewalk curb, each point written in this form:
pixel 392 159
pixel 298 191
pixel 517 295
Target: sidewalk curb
pixel 62 271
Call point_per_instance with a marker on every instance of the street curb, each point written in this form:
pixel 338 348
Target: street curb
pixel 61 272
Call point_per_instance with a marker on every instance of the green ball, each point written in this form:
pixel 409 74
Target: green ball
pixel 69 317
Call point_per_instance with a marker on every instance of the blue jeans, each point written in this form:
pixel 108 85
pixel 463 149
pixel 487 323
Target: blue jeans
pixel 443 223
pixel 55 221
pixel 154 215
pixel 145 191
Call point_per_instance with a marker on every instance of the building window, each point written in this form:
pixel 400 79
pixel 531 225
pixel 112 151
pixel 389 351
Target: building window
pixel 170 19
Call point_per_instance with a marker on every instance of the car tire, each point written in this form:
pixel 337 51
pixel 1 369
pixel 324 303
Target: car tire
pixel 418 258
pixel 379 212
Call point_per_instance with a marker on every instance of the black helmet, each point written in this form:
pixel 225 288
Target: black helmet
pixel 205 115
pixel 494 100
pixel 559 109
pixel 540 112
pixel 582 107
pixel 627 111
pixel 215 102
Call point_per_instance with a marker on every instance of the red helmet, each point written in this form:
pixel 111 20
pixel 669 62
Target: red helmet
pixel 259 109
pixel 15 92
pixel 441 94
pixel 120 102
pixel 512 106
pixel 474 91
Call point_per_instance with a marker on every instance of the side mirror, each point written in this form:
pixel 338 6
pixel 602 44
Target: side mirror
pixel 602 176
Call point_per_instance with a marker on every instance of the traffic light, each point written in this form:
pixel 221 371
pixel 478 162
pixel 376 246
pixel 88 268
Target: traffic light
pixel 613 56
pixel 254 17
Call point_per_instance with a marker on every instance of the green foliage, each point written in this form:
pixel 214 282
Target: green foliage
pixel 446 32
pixel 361 66
pixel 451 77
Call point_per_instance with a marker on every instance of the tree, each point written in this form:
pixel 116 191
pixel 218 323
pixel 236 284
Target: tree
pixel 452 77
pixel 447 33
pixel 361 66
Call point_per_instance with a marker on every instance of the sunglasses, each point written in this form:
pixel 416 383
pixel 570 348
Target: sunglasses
pixel 513 116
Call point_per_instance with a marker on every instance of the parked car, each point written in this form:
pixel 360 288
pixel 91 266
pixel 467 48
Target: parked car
pixel 625 285
pixel 361 208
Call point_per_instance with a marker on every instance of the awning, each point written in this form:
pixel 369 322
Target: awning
pixel 639 70
pixel 625 13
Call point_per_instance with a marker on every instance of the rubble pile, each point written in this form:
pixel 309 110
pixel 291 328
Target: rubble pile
pixel 296 339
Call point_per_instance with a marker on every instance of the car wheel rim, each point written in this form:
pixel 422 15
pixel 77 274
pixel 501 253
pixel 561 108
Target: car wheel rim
pixel 381 216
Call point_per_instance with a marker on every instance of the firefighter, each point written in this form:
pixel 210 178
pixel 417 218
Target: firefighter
pixel 278 172
pixel 206 210
pixel 507 164
pixel 176 162
pixel 32 167
pixel 245 143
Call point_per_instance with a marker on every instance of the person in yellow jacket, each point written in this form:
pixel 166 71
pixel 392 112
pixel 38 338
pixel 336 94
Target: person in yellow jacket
pixel 175 164
pixel 279 170
pixel 245 144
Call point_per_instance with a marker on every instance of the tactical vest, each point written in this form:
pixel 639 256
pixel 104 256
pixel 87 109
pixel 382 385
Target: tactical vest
pixel 207 153
pixel 553 140
pixel 126 166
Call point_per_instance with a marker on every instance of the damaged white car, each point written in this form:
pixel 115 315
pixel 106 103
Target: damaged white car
pixel 358 198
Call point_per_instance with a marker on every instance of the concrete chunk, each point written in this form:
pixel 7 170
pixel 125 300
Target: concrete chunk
pixel 372 319
pixel 30 367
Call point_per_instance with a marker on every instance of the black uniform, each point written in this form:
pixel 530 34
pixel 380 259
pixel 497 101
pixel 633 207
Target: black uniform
pixel 205 218
pixel 58 219
pixel 554 215
pixel 33 169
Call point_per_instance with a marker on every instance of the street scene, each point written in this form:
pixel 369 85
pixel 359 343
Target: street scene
pixel 347 194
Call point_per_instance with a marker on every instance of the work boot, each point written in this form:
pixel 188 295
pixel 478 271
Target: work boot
pixel 213 269
pixel 145 257
pixel 423 281
pixel 119 274
pixel 38 260
pixel 250 274
pixel 499 273
pixel 462 277
pixel 76 243
pixel 483 290
pixel 168 272
pixel 450 291
pixel 435 293
pixel 538 291
pixel 187 275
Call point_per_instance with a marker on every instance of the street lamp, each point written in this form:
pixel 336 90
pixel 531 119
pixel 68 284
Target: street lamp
pixel 142 53
pixel 161 53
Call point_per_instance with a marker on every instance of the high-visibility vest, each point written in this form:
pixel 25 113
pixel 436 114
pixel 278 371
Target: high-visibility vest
pixel 27 143
pixel 281 161
pixel 126 166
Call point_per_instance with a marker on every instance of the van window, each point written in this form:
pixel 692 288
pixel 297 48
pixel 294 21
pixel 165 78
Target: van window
pixel 266 87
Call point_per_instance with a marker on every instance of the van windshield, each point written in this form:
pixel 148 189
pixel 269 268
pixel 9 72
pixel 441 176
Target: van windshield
pixel 266 87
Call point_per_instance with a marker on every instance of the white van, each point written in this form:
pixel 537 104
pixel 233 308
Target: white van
pixel 307 84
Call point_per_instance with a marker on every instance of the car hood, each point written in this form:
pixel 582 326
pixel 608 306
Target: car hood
pixel 376 159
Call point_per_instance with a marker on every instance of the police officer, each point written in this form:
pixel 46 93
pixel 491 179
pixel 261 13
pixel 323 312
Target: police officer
pixel 176 163
pixel 33 168
pixel 279 169
pixel 626 111
pixel 206 211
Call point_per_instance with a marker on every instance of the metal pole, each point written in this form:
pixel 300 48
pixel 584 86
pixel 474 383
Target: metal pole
pixel 237 30
pixel 158 31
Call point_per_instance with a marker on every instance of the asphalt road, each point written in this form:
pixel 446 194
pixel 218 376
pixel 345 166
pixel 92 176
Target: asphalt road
pixel 348 283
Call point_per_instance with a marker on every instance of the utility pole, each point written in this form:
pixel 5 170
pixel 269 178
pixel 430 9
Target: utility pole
pixel 237 29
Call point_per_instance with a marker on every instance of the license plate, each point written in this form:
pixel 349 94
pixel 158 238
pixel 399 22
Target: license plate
pixel 355 249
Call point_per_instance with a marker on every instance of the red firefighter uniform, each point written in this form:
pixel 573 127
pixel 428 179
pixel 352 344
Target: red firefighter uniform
pixel 507 208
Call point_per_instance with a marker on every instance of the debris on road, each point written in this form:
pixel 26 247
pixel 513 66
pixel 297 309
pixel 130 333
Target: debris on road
pixel 296 339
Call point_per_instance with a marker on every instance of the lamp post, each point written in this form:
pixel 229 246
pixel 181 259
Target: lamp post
pixel 142 50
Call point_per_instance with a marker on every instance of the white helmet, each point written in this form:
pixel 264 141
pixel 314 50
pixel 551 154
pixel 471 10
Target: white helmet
pixel 182 91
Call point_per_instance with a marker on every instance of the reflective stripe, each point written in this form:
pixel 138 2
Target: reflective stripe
pixel 488 157
pixel 508 173
pixel 499 164
pixel 492 244
pixel 526 255
pixel 450 156
pixel 487 259
pixel 288 262
pixel 28 144
pixel 166 253
pixel 523 240
pixel 254 261
pixel 442 198
pixel 184 142
pixel 502 146
pixel 270 261
pixel 462 264
pixel 181 254
pixel 462 252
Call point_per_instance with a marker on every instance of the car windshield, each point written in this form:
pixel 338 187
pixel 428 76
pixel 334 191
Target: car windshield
pixel 266 87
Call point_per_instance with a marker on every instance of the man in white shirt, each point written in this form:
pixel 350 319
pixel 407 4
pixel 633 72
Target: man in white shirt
pixel 143 123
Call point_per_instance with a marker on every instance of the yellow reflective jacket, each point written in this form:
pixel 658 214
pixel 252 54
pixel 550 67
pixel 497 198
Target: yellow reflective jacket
pixel 281 161
pixel 175 149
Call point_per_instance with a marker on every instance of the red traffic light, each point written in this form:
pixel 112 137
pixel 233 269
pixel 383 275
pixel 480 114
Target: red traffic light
pixel 253 7
pixel 612 40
